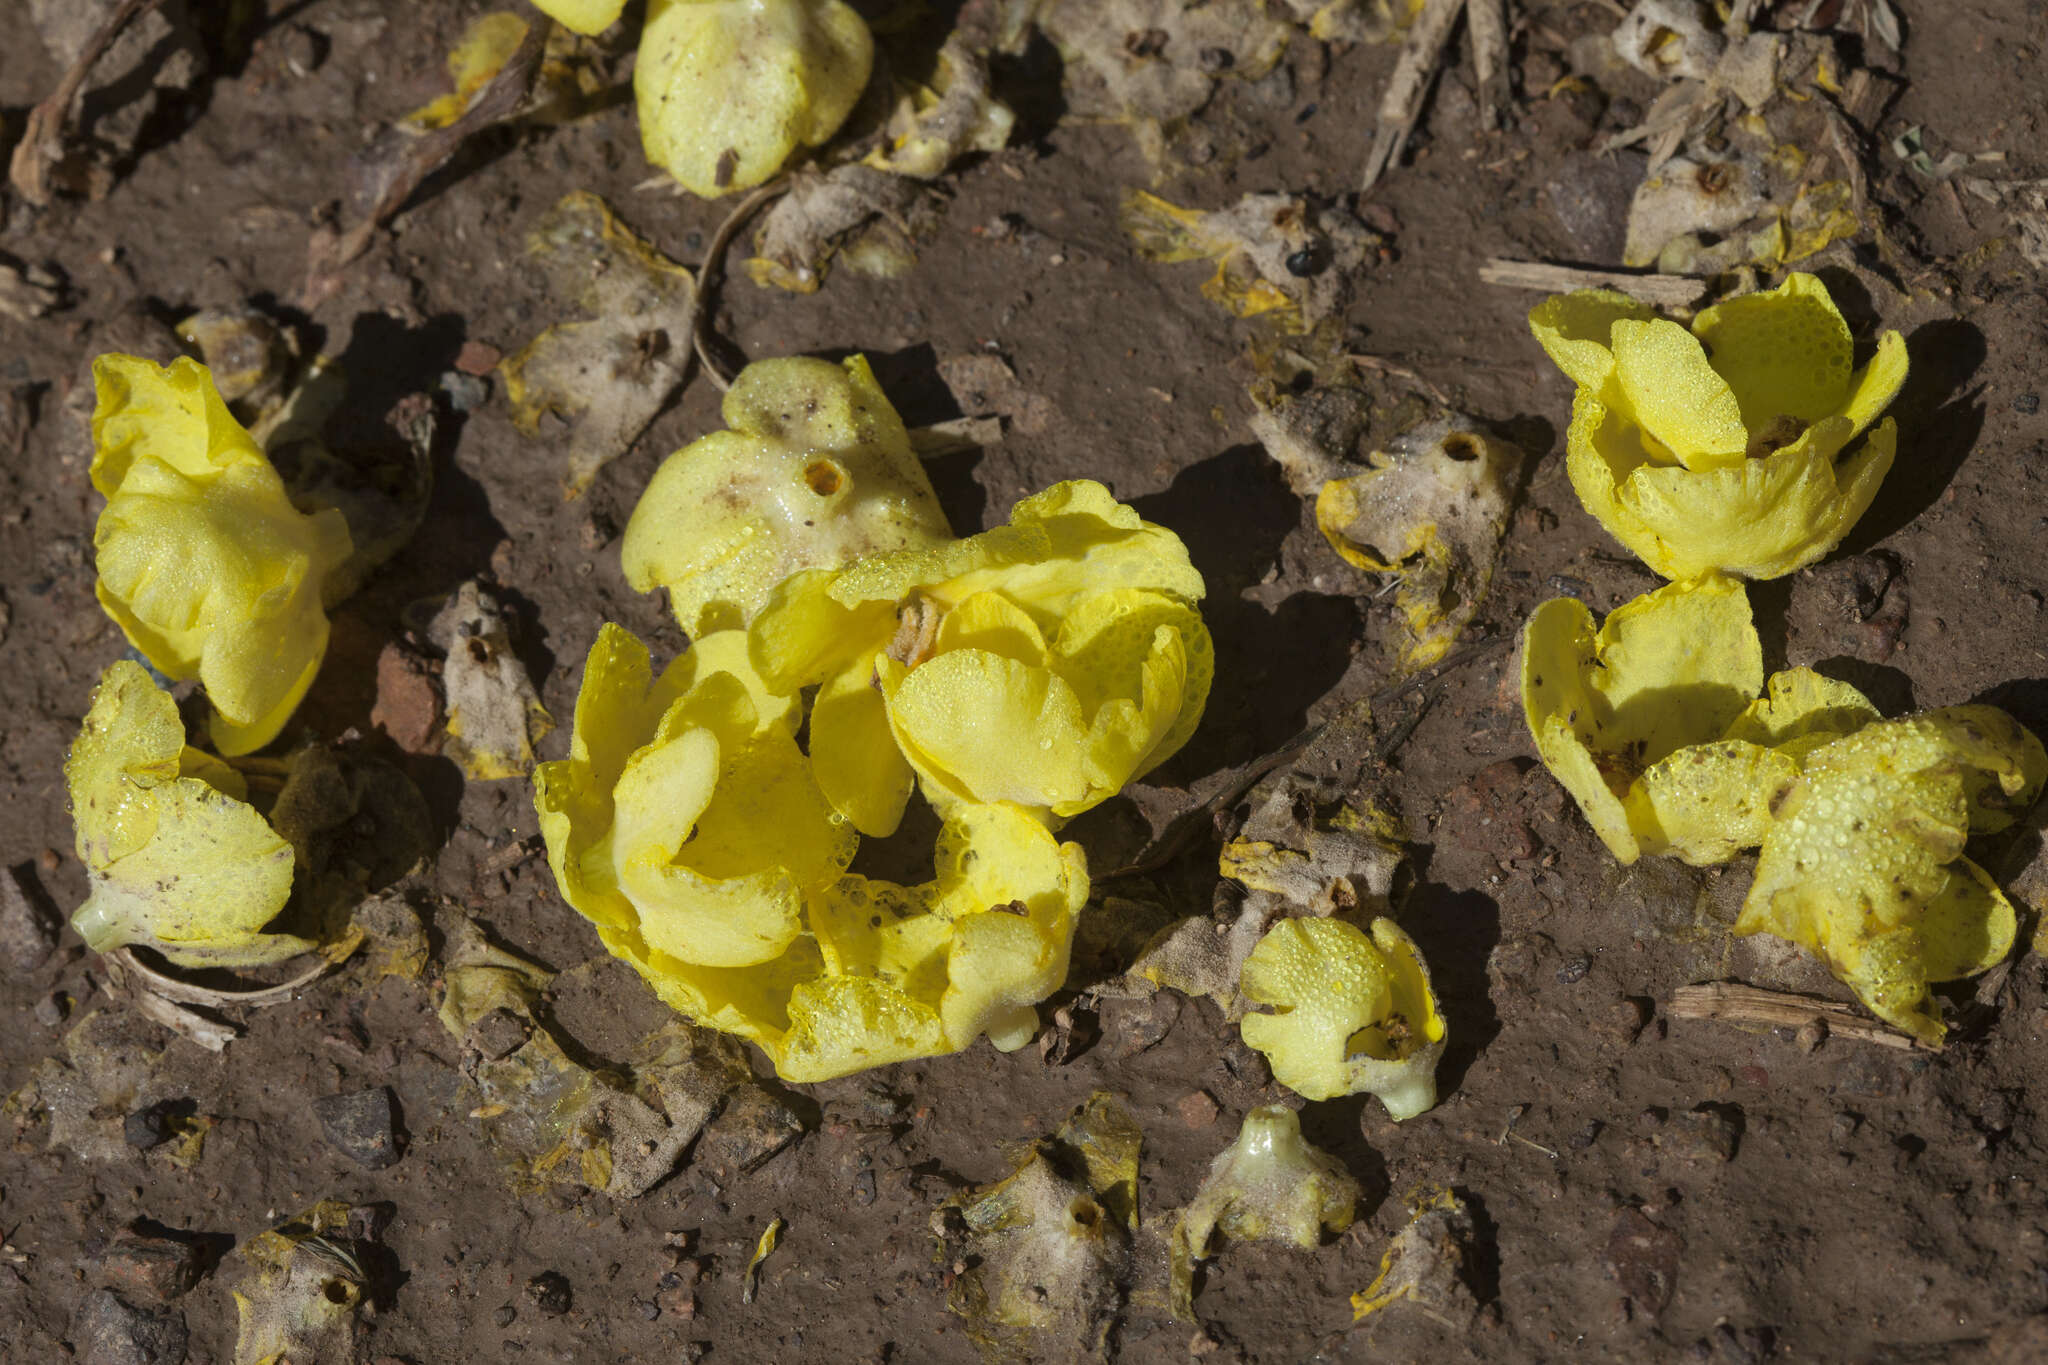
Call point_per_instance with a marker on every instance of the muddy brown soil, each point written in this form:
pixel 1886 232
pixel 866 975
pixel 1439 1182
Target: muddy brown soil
pixel 1644 1187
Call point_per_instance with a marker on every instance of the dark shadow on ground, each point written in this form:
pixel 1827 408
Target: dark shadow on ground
pixel 1233 512
pixel 1457 932
pixel 1938 425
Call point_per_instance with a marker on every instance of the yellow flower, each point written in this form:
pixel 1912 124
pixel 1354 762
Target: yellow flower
pixel 1654 725
pixel 1863 860
pixel 588 17
pixel 177 859
pixel 729 89
pixel 203 561
pixel 687 827
pixel 1727 447
pixel 1351 1014
pixel 1671 669
pixel 1046 663
pixel 816 471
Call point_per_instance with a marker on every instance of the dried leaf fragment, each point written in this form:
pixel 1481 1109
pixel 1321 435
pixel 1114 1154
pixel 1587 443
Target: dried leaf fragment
pixel 1275 254
pixel 867 217
pixel 1048 1245
pixel 302 1303
pixel 1427 1266
pixel 1431 510
pixel 494 715
pixel 607 376
pixel 1154 61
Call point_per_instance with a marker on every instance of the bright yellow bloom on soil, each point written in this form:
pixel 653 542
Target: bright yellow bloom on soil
pixel 730 89
pixel 203 561
pixel 1351 1014
pixel 687 827
pixel 177 858
pixel 1045 664
pixel 1738 446
pixel 1655 725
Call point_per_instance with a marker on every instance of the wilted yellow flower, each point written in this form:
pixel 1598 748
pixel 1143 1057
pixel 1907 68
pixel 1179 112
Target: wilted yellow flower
pixel 815 471
pixel 1863 864
pixel 728 89
pixel 687 827
pixel 1654 725
pixel 1727 447
pixel 203 561
pixel 1671 669
pixel 1351 1014
pixel 1271 1185
pixel 1045 663
pixel 177 858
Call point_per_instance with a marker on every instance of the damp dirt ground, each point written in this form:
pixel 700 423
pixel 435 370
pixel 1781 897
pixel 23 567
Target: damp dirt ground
pixel 1827 1202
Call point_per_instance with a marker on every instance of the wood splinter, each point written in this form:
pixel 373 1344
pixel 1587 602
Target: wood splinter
pixel 1751 1007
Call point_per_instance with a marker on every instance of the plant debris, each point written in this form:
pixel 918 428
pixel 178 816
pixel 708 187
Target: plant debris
pixel 1048 1248
pixel 607 376
pixel 494 715
pixel 1270 1185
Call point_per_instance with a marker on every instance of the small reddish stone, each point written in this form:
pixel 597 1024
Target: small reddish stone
pixel 408 703
pixel 478 357
pixel 1198 1109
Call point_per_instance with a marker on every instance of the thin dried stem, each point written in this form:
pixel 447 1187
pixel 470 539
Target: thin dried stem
pixel 498 101
pixel 42 142
pixel 713 267
pixel 1664 291
pixel 1749 1006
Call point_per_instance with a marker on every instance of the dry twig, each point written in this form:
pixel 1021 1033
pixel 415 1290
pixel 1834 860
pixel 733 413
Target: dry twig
pixel 185 993
pixel 1748 1006
pixel 1408 86
pixel 42 141
pixel 1665 291
pixel 330 254
pixel 712 267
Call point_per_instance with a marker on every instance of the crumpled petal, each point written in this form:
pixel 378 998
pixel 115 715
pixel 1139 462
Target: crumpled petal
pixel 1047 663
pixel 1864 865
pixel 203 561
pixel 1676 395
pixel 588 17
pixel 174 863
pixel 1672 668
pixel 1351 1014
pixel 1577 332
pixel 814 472
pixel 1784 352
pixel 729 89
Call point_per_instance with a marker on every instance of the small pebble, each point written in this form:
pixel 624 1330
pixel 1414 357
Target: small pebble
pixel 503 1317
pixel 1198 1109
pixel 549 1292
